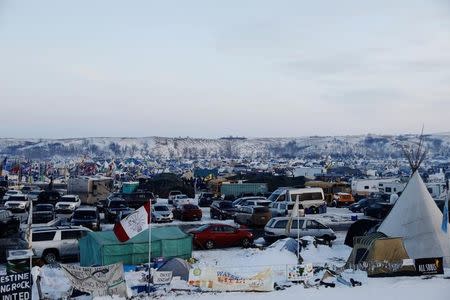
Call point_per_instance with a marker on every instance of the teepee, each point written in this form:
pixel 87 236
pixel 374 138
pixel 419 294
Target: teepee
pixel 416 218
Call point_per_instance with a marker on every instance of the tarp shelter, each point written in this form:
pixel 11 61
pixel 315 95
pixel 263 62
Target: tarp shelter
pixel 103 248
pixel 416 218
pixel 380 256
pixel 178 267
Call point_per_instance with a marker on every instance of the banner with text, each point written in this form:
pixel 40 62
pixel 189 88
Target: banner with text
pixel 15 286
pixel 97 281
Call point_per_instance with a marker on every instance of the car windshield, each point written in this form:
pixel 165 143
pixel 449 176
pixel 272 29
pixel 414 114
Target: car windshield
pixel 84 214
pixel 17 198
pixel 69 199
pixel 274 196
pixel 43 208
pixel 182 197
pixel 117 204
pixel 226 205
pixel 34 193
pixel 160 208
pixel 190 207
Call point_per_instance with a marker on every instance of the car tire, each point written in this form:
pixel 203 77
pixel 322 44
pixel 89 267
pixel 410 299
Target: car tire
pixel 246 243
pixel 50 256
pixel 209 245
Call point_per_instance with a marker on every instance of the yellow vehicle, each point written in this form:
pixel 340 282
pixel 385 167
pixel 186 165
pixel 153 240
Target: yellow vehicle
pixel 330 189
pixel 342 199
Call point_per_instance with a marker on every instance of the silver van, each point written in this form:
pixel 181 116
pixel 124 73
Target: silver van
pixel 276 229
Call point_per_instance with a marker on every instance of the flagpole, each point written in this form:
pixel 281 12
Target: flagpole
pixel 149 242
pixel 298 230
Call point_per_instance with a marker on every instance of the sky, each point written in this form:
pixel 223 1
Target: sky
pixel 218 68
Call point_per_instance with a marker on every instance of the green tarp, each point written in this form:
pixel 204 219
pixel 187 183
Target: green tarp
pixel 103 248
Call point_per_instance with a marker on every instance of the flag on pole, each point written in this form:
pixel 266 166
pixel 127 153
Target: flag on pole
pixel 133 224
pixel 294 214
pixel 444 225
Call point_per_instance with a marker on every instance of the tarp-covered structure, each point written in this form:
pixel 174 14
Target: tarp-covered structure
pixel 380 256
pixel 416 218
pixel 103 248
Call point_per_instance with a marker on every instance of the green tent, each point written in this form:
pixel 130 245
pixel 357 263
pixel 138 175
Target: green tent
pixel 103 248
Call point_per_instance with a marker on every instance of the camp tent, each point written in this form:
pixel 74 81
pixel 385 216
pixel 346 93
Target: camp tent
pixel 360 228
pixel 416 218
pixel 380 256
pixel 178 267
pixel 103 248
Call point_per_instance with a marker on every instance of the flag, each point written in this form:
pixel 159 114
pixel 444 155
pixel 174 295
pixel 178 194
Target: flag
pixel 444 225
pixel 294 214
pixel 133 224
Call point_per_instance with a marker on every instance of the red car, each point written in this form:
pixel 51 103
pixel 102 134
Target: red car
pixel 187 212
pixel 211 236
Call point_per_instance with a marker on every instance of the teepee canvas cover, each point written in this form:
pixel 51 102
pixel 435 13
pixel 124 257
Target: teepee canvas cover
pixel 416 218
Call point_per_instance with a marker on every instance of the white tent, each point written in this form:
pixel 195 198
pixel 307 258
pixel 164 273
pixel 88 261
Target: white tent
pixel 416 218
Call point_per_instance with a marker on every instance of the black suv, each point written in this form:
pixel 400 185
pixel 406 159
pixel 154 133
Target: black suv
pixel 206 199
pixel 222 210
pixel 86 216
pixel 115 209
pixel 43 213
pixel 49 197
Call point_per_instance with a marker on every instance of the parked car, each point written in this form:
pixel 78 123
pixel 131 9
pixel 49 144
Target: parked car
pixel 9 223
pixel 116 209
pixel 161 213
pixel 253 215
pixel 205 199
pixel 55 243
pixel 26 189
pixel 221 210
pixel 364 203
pixel 378 210
pixel 49 197
pixel 187 212
pixel 67 204
pixel 172 195
pixel 281 209
pixel 43 213
pixel 211 236
pixel 17 203
pixel 33 195
pixel 276 229
pixel 238 202
pixel 10 193
pixel 180 199
pixel 86 216
pixel 11 243
pixel 342 199
pixel 265 203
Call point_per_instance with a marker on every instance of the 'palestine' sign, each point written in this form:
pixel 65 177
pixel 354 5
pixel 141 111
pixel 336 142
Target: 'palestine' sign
pixel 15 286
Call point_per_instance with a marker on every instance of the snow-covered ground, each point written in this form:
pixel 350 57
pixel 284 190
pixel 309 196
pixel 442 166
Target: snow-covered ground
pixel 250 261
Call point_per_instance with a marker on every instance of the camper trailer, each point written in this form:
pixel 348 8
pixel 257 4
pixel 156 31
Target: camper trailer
pixel 90 189
pixel 365 187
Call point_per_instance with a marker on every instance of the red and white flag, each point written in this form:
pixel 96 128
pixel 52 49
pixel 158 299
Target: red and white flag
pixel 133 224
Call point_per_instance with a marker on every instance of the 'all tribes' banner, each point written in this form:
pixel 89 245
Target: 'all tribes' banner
pixel 15 286
pixel 97 281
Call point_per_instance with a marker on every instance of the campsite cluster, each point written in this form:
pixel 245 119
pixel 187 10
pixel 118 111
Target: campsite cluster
pixel 232 228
